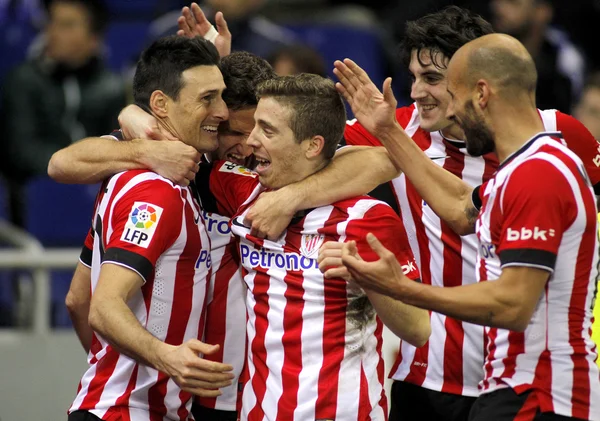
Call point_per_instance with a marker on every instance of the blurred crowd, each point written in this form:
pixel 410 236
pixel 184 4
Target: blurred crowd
pixel 66 65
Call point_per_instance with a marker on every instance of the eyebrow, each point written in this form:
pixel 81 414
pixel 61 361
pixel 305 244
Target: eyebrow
pixel 267 125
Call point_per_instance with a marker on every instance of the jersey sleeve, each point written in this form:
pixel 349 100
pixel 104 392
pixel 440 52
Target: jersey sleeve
pixel 582 142
pixel 231 185
pixel 536 211
pixel 356 134
pixel 382 222
pixel 144 223
pixel 85 257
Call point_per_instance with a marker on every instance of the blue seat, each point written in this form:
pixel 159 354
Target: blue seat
pixel 336 42
pixel 59 215
pixel 125 41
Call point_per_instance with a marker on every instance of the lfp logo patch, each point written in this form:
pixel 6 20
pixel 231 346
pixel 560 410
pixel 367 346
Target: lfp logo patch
pixel 237 169
pixel 141 224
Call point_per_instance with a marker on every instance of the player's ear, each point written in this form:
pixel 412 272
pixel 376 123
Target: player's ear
pixel 314 146
pixel 159 103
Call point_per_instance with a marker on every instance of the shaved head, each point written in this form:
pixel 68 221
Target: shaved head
pixel 501 60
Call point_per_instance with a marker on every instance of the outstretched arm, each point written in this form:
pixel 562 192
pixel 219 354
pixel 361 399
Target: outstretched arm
pixel 507 302
pixel 354 171
pixel 445 193
pixel 193 22
pixel 405 321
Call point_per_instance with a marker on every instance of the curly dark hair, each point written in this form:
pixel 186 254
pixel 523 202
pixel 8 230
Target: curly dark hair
pixel 242 73
pixel 441 34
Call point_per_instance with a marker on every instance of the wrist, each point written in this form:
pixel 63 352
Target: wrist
pixel 141 153
pixel 293 198
pixel 159 356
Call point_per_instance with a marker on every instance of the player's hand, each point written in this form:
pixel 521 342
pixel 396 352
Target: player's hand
pixel 270 214
pixel 193 22
pixel 330 261
pixel 194 374
pixel 384 276
pixel 138 124
pixel 172 159
pixel 376 111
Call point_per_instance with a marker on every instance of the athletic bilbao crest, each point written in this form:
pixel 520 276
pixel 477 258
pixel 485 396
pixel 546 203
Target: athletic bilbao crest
pixel 310 243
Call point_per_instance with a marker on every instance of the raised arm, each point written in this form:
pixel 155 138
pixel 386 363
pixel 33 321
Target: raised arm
pixel 445 193
pixel 193 22
pixel 354 171
pixel 407 322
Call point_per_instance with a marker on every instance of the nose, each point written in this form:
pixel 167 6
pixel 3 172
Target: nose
pixel 244 148
pixel 416 90
pixel 450 111
pixel 253 141
pixel 220 110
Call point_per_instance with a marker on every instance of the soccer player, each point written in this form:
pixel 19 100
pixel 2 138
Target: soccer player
pixel 439 380
pixel 314 345
pixel 225 312
pixel 535 220
pixel 150 262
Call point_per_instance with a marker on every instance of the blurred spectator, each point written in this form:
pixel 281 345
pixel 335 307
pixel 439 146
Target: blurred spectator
pixel 588 109
pixel 297 58
pixel 560 65
pixel 62 94
pixel 251 31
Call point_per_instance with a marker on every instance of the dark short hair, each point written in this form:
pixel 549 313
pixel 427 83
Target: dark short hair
pixel 162 63
pixel 242 73
pixel 443 32
pixel 316 107
pixel 97 11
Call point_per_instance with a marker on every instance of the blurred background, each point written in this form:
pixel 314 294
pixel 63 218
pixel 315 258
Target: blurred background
pixel 65 73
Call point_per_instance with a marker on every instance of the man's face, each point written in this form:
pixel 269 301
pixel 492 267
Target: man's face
pixel 588 110
pixel 196 114
pixel 233 135
pixel 513 17
pixel 279 158
pixel 429 91
pixel 70 37
pixel 462 111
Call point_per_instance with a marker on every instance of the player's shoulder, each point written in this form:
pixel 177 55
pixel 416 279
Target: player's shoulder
pixel 227 167
pixel 364 207
pixel 144 182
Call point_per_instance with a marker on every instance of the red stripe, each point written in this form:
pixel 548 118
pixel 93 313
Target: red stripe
pixel 418 372
pixel 104 370
pixel 529 409
pixel 364 403
pixel 516 347
pixel 181 308
pixel 123 400
pixel 381 366
pixel 334 337
pixel 292 337
pixel 577 307
pixel 258 382
pixel 216 311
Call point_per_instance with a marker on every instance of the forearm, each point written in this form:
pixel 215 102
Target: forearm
pixel 484 303
pixel 446 194
pixel 409 323
pixel 115 322
pixel 79 316
pixel 354 171
pixel 94 159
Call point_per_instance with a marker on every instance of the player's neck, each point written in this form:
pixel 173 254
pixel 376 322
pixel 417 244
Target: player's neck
pixel 513 128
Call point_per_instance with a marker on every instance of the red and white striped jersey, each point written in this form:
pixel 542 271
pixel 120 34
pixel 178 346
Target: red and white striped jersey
pixel 452 360
pixel 314 343
pixel 226 308
pixel 539 211
pixel 145 223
